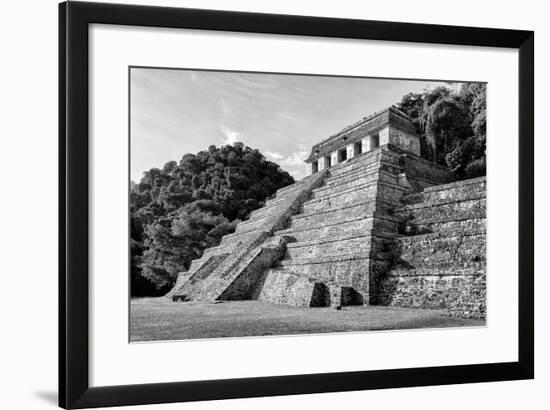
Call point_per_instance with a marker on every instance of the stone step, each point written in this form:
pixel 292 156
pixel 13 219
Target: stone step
pixel 234 240
pixel 194 283
pixel 340 179
pixel 376 175
pixel 343 212
pixel 446 228
pixel 401 272
pixel 283 191
pixel 295 186
pixel 273 205
pixel 215 250
pixel 448 193
pixel 337 214
pixel 351 172
pixel 429 251
pixel 364 192
pixel 213 285
pixel 381 190
pixel 443 211
pixel 248 276
pixel 328 190
pixel 356 162
pixel 328 247
pixel 269 206
pixel 460 190
pixel 338 229
pixel 252 224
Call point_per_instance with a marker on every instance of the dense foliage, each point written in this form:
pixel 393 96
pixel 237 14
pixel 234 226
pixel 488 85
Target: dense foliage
pixel 451 126
pixel 186 207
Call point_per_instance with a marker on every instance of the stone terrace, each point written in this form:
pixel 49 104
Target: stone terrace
pixel 440 255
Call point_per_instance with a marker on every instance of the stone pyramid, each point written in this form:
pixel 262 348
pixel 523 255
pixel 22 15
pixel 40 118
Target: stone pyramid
pixel 382 226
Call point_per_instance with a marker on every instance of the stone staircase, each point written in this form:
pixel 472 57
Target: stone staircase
pixel 212 276
pixel 439 256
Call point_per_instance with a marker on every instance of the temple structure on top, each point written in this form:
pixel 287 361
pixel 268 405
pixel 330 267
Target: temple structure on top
pixel 374 224
pixel 389 126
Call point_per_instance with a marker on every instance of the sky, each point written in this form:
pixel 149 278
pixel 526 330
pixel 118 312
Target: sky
pixel 174 112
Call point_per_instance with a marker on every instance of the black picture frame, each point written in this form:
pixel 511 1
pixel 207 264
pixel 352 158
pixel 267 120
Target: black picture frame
pixel 74 388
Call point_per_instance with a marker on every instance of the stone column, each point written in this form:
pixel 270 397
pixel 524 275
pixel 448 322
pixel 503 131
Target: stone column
pixel 349 151
pixel 366 144
pixel 384 136
pixel 321 163
pixel 335 296
pixel 334 158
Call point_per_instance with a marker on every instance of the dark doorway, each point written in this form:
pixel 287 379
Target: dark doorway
pixel 375 141
pixel 314 167
pixel 357 148
pixel 350 297
pixel 320 296
pixel 342 155
pixel 327 162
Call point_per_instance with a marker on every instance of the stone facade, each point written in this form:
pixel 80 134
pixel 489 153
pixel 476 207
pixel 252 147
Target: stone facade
pixel 439 255
pixel 389 126
pixel 382 226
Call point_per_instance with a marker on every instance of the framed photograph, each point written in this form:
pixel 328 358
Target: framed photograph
pixel 259 205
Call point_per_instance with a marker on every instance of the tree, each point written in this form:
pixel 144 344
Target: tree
pixel 446 126
pixel 451 126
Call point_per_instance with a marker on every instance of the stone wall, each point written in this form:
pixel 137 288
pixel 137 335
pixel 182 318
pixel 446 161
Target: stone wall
pixel 405 140
pixel 439 257
pixel 462 294
pixel 286 287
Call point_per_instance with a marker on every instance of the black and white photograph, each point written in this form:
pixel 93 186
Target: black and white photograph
pixel 273 204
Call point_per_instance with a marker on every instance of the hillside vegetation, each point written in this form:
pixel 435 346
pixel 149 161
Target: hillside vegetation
pixel 186 207
pixel 451 126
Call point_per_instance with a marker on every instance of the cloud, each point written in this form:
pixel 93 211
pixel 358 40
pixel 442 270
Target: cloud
pixel 224 106
pixel 274 155
pixel 230 136
pixel 296 158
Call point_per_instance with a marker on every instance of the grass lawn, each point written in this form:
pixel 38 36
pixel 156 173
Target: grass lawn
pixel 161 319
